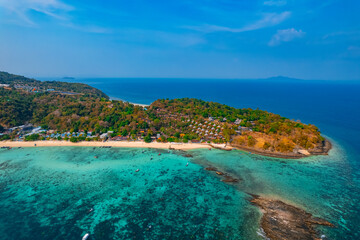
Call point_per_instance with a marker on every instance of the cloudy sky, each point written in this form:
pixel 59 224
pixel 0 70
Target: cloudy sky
pixel 307 39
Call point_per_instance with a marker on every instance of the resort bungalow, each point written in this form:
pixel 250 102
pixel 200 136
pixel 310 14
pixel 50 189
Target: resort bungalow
pixel 237 121
pixel 103 136
pixel 119 138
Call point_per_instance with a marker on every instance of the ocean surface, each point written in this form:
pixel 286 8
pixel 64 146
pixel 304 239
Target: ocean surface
pixel 65 192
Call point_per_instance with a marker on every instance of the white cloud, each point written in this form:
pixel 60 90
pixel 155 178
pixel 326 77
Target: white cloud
pixel 277 3
pixel 267 20
pixel 351 34
pixel 285 35
pixel 21 8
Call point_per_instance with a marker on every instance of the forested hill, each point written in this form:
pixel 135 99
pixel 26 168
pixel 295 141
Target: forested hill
pixel 29 84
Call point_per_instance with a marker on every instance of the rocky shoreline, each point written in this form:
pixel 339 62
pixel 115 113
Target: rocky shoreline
pixel 322 149
pixel 282 221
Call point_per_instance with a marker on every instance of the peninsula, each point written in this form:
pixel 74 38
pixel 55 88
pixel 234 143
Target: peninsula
pixel 60 112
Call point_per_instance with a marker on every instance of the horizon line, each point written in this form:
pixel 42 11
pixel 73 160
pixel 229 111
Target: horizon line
pixel 197 78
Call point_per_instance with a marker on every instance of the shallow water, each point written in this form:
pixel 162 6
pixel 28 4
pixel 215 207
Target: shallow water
pixel 65 192
pixel 327 186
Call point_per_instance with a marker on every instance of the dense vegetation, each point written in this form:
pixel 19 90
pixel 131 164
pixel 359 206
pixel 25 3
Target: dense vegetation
pixel 12 80
pixel 170 120
pixel 262 130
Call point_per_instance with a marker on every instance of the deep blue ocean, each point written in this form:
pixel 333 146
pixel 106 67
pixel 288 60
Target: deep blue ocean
pixel 65 192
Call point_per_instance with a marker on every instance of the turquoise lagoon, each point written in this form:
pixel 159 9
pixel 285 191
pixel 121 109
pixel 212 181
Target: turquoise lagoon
pixel 65 192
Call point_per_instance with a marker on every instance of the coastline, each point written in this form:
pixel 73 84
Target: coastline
pixel 323 150
pixel 136 104
pixel 177 146
pixel 123 144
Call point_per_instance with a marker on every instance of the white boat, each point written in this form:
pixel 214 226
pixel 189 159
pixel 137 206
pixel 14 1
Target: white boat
pixel 85 236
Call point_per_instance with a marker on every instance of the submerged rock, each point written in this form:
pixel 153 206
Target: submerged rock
pixel 210 169
pixel 230 179
pixel 282 221
pixel 226 177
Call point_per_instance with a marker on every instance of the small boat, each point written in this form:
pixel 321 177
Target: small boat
pixel 187 164
pixel 85 236
pixel 91 209
pixel 95 156
pixel 137 170
pixel 159 154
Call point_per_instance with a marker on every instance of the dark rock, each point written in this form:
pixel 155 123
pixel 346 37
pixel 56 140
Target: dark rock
pixel 282 221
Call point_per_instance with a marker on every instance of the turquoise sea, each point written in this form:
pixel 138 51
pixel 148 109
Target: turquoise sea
pixel 65 192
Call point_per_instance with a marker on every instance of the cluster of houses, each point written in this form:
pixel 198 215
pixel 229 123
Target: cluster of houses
pixel 22 87
pixel 213 129
pixel 6 86
pixel 34 89
pixel 26 130
pixel 27 88
pixel 21 132
pixel 207 130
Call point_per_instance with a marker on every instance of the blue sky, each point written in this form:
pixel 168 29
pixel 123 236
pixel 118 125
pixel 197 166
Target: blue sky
pixel 191 38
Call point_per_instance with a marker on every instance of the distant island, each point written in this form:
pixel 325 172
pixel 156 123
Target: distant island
pixel 68 78
pixel 33 110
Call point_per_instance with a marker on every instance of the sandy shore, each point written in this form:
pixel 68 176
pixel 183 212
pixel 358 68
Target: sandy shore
pixel 136 144
pixel 136 104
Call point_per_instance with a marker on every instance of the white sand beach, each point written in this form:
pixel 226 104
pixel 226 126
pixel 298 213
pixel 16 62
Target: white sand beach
pixel 135 144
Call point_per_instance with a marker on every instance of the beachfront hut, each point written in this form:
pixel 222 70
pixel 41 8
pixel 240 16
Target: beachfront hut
pixel 104 135
pixel 237 121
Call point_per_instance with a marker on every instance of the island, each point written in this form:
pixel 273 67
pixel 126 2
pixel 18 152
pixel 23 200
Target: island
pixel 33 110
pixel 52 113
